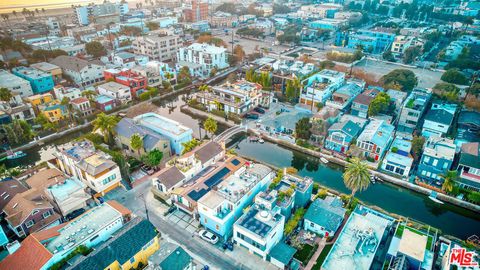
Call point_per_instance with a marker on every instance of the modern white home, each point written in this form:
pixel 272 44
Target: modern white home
pixel 204 56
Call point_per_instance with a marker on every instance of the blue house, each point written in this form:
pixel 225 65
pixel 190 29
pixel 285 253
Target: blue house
pixel 375 40
pixel 220 208
pixel 398 159
pixel 325 216
pixel 40 81
pixel 438 119
pixel 340 135
pixel 437 158
pixel 375 139
pixel 174 131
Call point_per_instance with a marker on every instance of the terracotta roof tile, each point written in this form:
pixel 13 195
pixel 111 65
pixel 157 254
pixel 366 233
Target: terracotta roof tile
pixel 48 233
pixel 31 255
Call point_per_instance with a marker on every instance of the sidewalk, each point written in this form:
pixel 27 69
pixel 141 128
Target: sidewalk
pixel 317 253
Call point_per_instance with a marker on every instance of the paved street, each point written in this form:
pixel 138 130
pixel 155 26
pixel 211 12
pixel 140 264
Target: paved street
pixel 181 233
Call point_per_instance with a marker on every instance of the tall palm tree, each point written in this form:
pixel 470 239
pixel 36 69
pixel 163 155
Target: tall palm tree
pixel 210 125
pixel 136 142
pixel 106 125
pixel 356 176
pixel 449 180
pixel 89 94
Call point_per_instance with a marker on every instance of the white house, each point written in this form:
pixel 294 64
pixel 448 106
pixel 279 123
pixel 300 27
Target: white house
pixel 116 91
pixel 15 83
pixel 320 86
pixel 62 92
pixel 205 55
pixel 82 72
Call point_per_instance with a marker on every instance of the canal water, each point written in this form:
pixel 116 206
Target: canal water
pixel 450 219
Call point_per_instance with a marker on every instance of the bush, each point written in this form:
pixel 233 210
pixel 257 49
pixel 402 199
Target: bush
pixel 454 76
pixel 322 194
pixel 344 57
pixel 293 221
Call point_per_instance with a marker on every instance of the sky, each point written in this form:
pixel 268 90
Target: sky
pixel 9 5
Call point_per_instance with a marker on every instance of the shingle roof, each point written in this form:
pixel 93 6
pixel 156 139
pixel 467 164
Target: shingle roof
pixel 45 178
pixel 348 127
pixel 363 99
pixel 208 151
pixel 327 213
pixel 127 127
pixel 70 62
pixel 283 252
pixel 124 244
pixel 31 255
pixel 22 204
pixel 170 176
pixel 470 155
pixel 439 116
pixel 8 189
pixel 177 260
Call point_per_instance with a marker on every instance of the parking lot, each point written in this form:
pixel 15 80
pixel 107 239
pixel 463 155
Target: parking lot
pixel 184 221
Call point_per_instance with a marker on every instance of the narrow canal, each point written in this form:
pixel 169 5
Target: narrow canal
pixel 452 220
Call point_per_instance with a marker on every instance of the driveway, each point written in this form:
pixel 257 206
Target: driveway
pixel 184 221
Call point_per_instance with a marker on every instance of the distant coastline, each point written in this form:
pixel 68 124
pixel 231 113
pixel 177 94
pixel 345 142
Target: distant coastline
pixel 47 6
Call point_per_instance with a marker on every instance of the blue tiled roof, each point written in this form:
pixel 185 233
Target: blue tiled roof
pixel 177 260
pixel 327 213
pixel 124 244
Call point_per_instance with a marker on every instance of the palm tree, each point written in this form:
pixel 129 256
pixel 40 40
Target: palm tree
pixel 106 125
pixel 204 88
pixel 449 180
pixel 210 125
pixel 66 103
pixel 89 94
pixel 356 176
pixel 136 142
pixel 5 94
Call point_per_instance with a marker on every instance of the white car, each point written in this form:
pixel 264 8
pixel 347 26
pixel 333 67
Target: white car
pixel 208 236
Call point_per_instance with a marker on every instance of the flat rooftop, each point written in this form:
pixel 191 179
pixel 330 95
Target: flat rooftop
pixel 162 124
pixel 358 241
pixel 62 191
pixel 31 72
pixel 83 227
pixel 260 222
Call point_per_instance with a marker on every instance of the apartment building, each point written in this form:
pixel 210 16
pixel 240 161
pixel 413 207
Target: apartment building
pixel 137 83
pixel 437 158
pixel 239 97
pixel 15 84
pixel 40 81
pixel 413 109
pixel 320 86
pixel 158 47
pixel 116 91
pixel 202 58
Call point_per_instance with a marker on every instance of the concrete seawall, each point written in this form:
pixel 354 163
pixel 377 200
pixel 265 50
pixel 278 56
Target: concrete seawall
pixel 384 177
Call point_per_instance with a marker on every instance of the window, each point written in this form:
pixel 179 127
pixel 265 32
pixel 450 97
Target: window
pixel 35 212
pixel 46 214
pixel 29 223
pixel 435 162
pixel 132 260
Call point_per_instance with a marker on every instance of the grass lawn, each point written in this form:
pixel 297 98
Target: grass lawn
pixel 304 254
pixel 322 257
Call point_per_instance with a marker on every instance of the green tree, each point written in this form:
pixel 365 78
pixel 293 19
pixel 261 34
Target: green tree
pixel 417 145
pixel 153 158
pixel 447 91
pixel 474 197
pixel 106 125
pixel 356 176
pixel 184 75
pixel 5 94
pixel 388 56
pixel 379 104
pixel 453 75
pixel 404 78
pixel 66 103
pixel 302 129
pixel 95 49
pixel 90 94
pixel 449 181
pixel 136 142
pixel 204 88
pixel 210 125
pixel 190 145
pixel 411 53
pixel 152 26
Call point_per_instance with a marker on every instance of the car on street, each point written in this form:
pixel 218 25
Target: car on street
pixel 208 236
pixel 259 110
pixel 75 214
pixel 251 116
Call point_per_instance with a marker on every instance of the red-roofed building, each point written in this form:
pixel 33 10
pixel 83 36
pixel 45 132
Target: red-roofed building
pixel 31 255
pixel 128 78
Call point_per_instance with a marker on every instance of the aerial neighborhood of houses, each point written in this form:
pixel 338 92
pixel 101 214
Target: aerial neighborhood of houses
pixel 182 135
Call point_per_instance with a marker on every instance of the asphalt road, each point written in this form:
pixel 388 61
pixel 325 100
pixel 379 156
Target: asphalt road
pixel 133 200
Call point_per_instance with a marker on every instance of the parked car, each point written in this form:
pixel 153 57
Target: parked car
pixel 208 236
pixel 251 116
pixel 227 245
pixel 148 170
pixel 171 209
pixel 75 214
pixel 259 110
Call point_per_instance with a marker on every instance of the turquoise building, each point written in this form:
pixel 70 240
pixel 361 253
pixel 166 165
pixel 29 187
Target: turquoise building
pixel 40 81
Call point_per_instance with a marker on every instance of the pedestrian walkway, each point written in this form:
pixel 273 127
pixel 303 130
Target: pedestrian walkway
pixel 317 253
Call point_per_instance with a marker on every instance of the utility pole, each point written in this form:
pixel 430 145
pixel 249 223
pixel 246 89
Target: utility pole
pixel 144 205
pixel 232 40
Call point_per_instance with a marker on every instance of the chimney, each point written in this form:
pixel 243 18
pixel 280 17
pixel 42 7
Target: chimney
pixel 14 246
